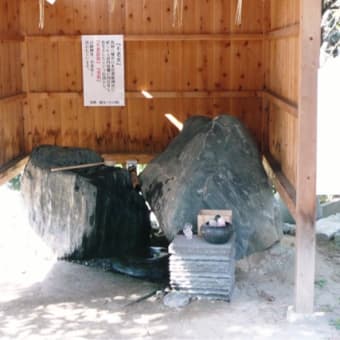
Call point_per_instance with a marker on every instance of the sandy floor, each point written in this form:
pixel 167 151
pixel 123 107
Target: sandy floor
pixel 45 299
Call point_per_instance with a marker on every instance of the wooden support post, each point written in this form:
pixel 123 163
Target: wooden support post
pixel 12 169
pixel 310 18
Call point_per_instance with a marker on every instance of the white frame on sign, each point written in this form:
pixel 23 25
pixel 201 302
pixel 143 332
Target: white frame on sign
pixel 103 70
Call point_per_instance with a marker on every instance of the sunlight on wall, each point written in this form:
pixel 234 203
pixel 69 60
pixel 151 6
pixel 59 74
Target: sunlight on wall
pixel 147 94
pixel 173 120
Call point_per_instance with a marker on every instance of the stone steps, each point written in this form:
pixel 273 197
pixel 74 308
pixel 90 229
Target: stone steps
pixel 202 269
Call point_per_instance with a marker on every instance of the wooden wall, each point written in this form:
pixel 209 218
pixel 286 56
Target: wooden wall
pixel 11 108
pixel 206 66
pixel 281 93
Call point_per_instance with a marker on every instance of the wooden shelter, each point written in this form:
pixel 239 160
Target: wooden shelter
pixel 263 70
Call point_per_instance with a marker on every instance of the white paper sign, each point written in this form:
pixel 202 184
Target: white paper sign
pixel 103 70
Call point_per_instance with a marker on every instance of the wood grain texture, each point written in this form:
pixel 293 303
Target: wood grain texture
pixel 10 68
pixel 11 85
pixel 159 66
pixel 141 17
pixel 284 70
pixel 10 16
pixel 281 95
pixel 281 103
pixel 11 130
pixel 207 66
pixel 283 140
pixel 309 52
pixel 122 158
pixel 283 13
pixel 139 127
pixel 181 67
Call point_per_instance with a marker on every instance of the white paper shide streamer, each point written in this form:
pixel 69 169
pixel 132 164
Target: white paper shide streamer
pixel 238 15
pixel 41 14
pixel 112 5
pixel 177 20
pixel 41 23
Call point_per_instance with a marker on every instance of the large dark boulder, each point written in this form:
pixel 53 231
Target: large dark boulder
pixel 86 213
pixel 214 164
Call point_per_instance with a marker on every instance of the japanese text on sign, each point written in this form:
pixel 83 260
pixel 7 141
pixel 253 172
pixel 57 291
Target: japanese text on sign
pixel 103 70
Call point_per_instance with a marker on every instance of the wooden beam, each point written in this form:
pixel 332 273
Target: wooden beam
pixel 310 18
pixel 24 66
pixel 162 37
pixel 16 166
pixel 12 169
pixel 46 94
pixel 167 94
pixel 194 37
pixel 19 96
pixel 11 37
pixel 281 182
pixel 281 102
pixel 122 158
pixel 196 94
pixel 284 32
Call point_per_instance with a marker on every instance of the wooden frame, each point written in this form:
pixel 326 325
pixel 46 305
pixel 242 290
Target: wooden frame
pixel 310 19
pixel 299 196
pixel 161 37
pixel 12 169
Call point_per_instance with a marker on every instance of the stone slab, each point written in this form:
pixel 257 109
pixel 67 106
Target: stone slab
pixel 199 247
pixel 327 227
pixel 201 268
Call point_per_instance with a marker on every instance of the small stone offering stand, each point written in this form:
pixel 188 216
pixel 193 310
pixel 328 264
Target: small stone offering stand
pixel 200 268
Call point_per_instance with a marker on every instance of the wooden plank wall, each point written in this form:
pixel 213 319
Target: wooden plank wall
pixel 206 66
pixel 281 93
pixel 11 100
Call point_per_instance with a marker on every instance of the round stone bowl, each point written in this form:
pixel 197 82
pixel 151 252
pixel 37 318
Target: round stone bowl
pixel 217 235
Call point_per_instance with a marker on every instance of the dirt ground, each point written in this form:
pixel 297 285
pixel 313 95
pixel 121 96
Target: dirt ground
pixel 42 298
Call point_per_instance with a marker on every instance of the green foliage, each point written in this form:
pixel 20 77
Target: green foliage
pixel 15 183
pixel 323 199
pixel 326 308
pixel 321 283
pixel 330 27
pixel 336 323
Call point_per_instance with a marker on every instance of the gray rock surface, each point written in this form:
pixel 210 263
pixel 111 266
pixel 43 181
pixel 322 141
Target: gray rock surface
pixel 330 208
pixel 337 239
pixel 327 227
pixel 214 164
pixel 85 213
